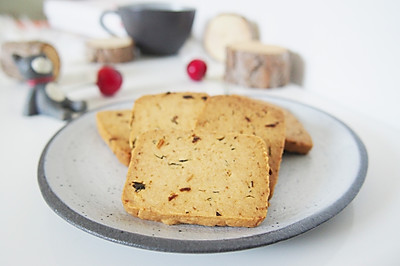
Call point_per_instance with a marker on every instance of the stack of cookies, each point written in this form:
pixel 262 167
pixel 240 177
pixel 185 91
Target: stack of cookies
pixel 199 159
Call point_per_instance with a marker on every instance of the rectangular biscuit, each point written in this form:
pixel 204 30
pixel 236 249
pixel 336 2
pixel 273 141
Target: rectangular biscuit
pixel 113 127
pixel 166 111
pixel 198 178
pixel 233 113
pixel 297 140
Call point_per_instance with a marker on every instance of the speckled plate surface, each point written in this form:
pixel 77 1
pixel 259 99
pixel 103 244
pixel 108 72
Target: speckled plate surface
pixel 82 181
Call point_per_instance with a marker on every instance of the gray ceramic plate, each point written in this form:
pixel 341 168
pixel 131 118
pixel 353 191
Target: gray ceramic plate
pixel 82 181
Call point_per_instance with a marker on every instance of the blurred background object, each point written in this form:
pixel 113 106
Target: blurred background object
pixel 23 8
pixel 339 48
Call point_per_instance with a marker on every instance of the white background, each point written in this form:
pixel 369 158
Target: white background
pixel 346 51
pixel 350 49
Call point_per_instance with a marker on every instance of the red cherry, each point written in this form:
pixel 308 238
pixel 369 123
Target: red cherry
pixel 109 80
pixel 196 69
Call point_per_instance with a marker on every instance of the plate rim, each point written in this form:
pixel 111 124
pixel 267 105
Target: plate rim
pixel 202 246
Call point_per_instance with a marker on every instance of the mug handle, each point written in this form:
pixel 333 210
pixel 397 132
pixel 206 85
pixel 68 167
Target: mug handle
pixel 103 25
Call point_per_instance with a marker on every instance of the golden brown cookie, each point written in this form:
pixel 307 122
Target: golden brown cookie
pixel 113 127
pixel 298 140
pixel 198 178
pixel 233 113
pixel 166 111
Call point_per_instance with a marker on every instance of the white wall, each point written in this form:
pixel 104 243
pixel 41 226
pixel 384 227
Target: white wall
pixel 350 49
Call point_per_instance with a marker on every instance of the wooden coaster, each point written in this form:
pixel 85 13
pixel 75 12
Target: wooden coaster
pixel 225 29
pixel 256 65
pixel 110 50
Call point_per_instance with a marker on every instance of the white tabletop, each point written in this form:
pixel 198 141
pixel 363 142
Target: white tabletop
pixel 364 233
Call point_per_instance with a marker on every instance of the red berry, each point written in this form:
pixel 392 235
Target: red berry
pixel 196 69
pixel 109 80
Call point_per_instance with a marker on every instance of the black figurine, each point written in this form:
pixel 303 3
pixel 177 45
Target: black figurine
pixel 45 97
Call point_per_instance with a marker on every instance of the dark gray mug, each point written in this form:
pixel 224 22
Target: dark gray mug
pixel 156 28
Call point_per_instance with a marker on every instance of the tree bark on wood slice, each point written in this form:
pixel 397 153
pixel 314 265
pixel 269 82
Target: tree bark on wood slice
pixel 226 29
pixel 111 50
pixel 24 49
pixel 256 65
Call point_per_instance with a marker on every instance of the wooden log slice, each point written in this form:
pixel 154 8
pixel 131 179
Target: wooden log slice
pixel 256 65
pixel 225 29
pixel 24 49
pixel 110 50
